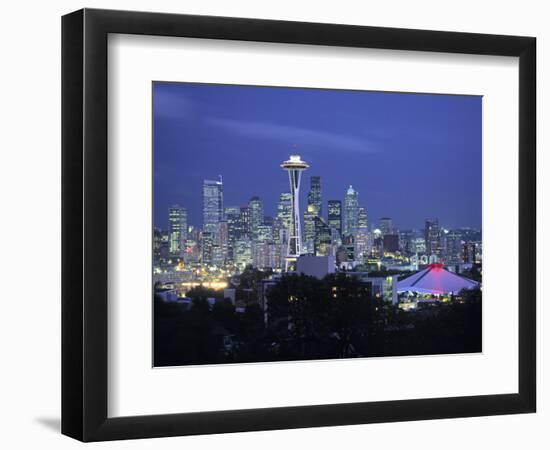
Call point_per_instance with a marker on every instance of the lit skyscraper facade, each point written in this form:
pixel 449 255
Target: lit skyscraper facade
pixel 362 221
pixel 314 197
pixel 177 220
pixel 454 247
pixel 309 229
pixel 284 216
pixel 351 211
pixel 212 205
pixel 206 247
pixel 335 215
pixel 361 233
pixel 432 235
pixel 322 237
pixel 245 223
pixel 256 209
pixel 294 166
pixel 233 218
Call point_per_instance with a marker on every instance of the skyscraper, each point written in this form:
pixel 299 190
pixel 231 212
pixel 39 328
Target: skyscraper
pixel 207 243
pixel 362 244
pixel 314 197
pixel 294 166
pixel 322 238
pixel 233 217
pixel 454 247
pixel 309 229
pixel 256 208
pixel 351 211
pixel 245 223
pixel 432 235
pixel 362 221
pixel 177 220
pixel 386 226
pixel 284 217
pixel 212 205
pixel 335 215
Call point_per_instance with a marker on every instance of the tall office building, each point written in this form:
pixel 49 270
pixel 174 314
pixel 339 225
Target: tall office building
pixel 245 223
pixel 390 243
pixel 351 211
pixel 233 217
pixel 243 253
pixel 212 205
pixel 309 229
pixel 256 208
pixel 386 226
pixel 177 221
pixel 335 215
pixel 362 237
pixel 161 246
pixel 314 197
pixel 284 217
pixel 264 234
pixel 294 166
pixel 222 240
pixel 362 221
pixel 323 237
pixel 207 243
pixel 453 246
pixel 432 236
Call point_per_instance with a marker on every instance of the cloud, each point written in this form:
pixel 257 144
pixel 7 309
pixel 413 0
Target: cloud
pixel 293 135
pixel 170 103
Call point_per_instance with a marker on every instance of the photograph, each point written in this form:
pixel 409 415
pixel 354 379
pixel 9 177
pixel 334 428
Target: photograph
pixel 310 224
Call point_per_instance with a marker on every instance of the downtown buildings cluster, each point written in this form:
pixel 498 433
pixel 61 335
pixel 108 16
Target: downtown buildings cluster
pixel 231 238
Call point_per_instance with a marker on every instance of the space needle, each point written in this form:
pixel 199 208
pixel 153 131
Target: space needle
pixel 294 166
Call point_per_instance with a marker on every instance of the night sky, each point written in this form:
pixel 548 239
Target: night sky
pixel 410 156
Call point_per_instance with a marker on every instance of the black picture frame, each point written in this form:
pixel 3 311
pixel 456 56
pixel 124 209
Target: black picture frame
pixel 84 224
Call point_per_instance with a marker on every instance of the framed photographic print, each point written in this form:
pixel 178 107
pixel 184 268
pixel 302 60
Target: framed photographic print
pixel 273 224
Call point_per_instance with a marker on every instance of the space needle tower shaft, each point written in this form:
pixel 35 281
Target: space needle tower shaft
pixel 294 166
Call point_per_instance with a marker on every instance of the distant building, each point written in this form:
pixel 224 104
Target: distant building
pixel 161 246
pixel 351 211
pixel 284 214
pixel 212 205
pixel 391 243
pixel 206 247
pixel 232 217
pixel 177 221
pixel 309 230
pixel 386 226
pixel 323 237
pixel 407 241
pixel 314 197
pixel 264 233
pixel 432 236
pixel 242 253
pixel 471 252
pixel 266 256
pixel 244 232
pixel 362 235
pixel 453 248
pixel 256 208
pixel 335 215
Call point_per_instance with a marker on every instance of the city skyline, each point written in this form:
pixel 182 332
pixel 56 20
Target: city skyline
pixel 176 114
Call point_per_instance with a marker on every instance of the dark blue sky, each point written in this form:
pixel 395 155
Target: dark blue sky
pixel 410 156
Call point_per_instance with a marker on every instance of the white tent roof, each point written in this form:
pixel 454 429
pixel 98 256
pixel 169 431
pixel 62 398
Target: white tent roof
pixel 435 280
